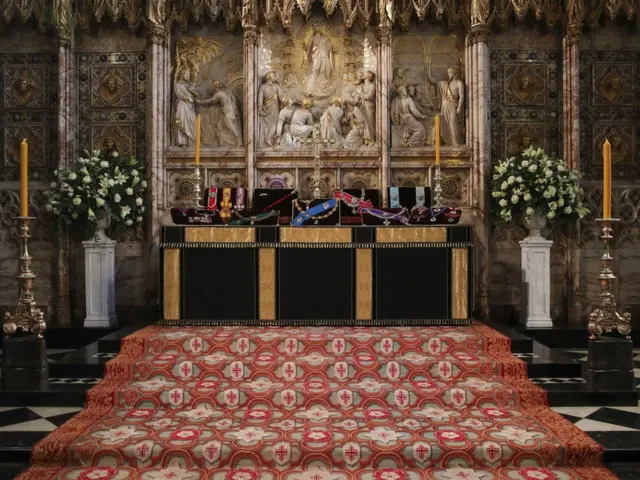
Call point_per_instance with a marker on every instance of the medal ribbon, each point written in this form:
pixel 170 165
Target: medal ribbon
pixel 353 201
pixel 305 215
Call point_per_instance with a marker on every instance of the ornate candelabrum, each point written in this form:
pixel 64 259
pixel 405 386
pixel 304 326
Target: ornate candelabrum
pixel 438 187
pixel 316 179
pixel 26 317
pixel 605 318
pixel 197 188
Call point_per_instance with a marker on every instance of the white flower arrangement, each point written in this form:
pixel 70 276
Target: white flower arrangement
pixel 99 182
pixel 536 184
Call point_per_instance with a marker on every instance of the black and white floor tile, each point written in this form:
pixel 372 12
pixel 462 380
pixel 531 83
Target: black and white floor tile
pixel 603 419
pixel 106 356
pixel 556 381
pixel 73 381
pixel 524 356
pixel 34 419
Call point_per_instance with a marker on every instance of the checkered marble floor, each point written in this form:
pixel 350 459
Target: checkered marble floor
pixel 34 419
pixel 603 419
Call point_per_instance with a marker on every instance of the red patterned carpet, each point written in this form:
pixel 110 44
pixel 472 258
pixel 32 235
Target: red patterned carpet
pixel 445 403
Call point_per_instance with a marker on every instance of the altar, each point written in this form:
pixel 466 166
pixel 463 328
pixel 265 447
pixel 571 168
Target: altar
pixel 339 275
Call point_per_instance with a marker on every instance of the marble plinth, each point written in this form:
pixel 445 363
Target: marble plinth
pixel 536 268
pixel 100 287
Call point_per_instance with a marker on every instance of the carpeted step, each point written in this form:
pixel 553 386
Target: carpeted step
pixel 233 403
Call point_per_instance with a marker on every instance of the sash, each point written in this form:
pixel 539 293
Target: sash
pixel 212 200
pixel 254 218
pixel 356 204
pixel 402 216
pixel 420 197
pixel 305 215
pixel 394 197
pixel 278 201
pixel 445 214
pixel 240 199
pixel 225 205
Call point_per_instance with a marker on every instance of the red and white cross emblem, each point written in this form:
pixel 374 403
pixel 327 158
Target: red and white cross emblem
pixel 338 345
pixel 282 453
pixel 185 369
pixel 445 369
pixel 492 452
pixel 289 370
pixel 345 397
pixel 351 453
pixel 288 398
pixel 342 370
pixel 435 345
pixel 386 346
pixel 393 370
pixel 421 452
pixel 401 397
pixel 232 397
pixel 237 370
pixel 211 451
pixel 458 397
pixel 242 345
pixel 143 450
pixel 176 396
pixel 291 346
pixel 195 344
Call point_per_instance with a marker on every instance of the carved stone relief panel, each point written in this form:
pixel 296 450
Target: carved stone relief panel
pixel 428 78
pixel 610 96
pixel 180 188
pixel 317 71
pixel 359 179
pixel 112 99
pixel 208 79
pixel 455 187
pixel 28 83
pixel 277 179
pixel 226 178
pixel 526 103
pixel 328 183
pixel 408 177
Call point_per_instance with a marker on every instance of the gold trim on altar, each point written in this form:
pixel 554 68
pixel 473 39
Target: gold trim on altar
pixel 411 234
pixel 267 283
pixel 220 234
pixel 315 235
pixel 459 283
pixel 364 284
pixel 171 284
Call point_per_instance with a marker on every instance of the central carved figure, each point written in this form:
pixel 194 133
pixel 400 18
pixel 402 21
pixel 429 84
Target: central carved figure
pixel 320 63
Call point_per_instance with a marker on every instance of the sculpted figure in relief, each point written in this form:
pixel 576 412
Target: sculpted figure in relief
pixel 479 12
pixel 405 113
pixel 302 123
pixel 225 116
pixel 367 100
pixel 320 60
pixel 184 119
pixel 357 131
pixel 283 130
pixel 331 123
pixel 24 89
pixel 157 12
pixel 451 93
pixel 269 97
pixel 61 12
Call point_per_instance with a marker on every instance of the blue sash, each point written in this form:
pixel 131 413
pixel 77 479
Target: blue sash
pixel 394 197
pixel 305 215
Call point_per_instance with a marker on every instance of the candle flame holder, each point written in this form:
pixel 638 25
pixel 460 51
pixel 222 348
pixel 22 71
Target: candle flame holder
pixel 437 198
pixel 605 318
pixel 26 317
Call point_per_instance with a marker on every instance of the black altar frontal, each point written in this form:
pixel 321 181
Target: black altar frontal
pixel 281 275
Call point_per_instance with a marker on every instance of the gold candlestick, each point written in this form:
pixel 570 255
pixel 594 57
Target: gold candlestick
pixel 437 198
pixel 605 318
pixel 197 188
pixel 26 316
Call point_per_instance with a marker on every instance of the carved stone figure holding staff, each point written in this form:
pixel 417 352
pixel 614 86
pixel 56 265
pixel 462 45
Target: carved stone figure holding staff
pixel 184 119
pixel 451 94
pixel 270 96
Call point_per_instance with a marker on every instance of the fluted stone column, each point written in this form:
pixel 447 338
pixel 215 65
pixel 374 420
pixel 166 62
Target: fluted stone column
pixel 480 105
pixel 383 34
pixel 157 128
pixel 67 131
pixel 250 96
pixel 571 153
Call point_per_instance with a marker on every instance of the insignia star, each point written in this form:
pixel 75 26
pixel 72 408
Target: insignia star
pixel 316 413
pixel 118 434
pixel 384 435
pixel 437 414
pixel 518 434
pixel 251 434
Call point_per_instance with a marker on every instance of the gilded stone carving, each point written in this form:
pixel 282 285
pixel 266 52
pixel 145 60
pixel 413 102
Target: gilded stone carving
pixel 408 177
pixel 61 19
pixel 360 179
pixel 115 10
pixel 26 87
pixel 157 19
pixel 276 179
pixel 119 137
pixel 613 84
pixel 226 179
pixel 37 137
pixel 479 12
pixel 112 86
pixel 525 84
pixel 519 136
pixel 25 11
pixel 427 81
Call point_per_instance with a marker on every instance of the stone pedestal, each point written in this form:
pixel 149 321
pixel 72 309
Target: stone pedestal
pixel 99 258
pixel 609 366
pixel 24 364
pixel 536 269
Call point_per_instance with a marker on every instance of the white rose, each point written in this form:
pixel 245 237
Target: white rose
pixel 549 173
pixel 529 211
pixel 139 219
pixel 533 167
pixel 561 168
pixel 514 198
pixel 504 185
pixel 144 184
pixel 502 203
pixel 129 191
pixel 525 164
pixel 134 172
pixel 138 201
pixel 49 207
pixel 519 179
pixel 86 179
pixel 568 209
pixel 104 164
pixel 117 198
pixel 77 201
pixel 124 211
pixel 551 214
pixel 53 184
pixel 511 179
pixel 72 176
pixel 70 194
pixel 553 205
pixel 114 154
pixel 99 201
pixel 128 223
pixel 560 202
pixel 527 197
pixel 502 169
